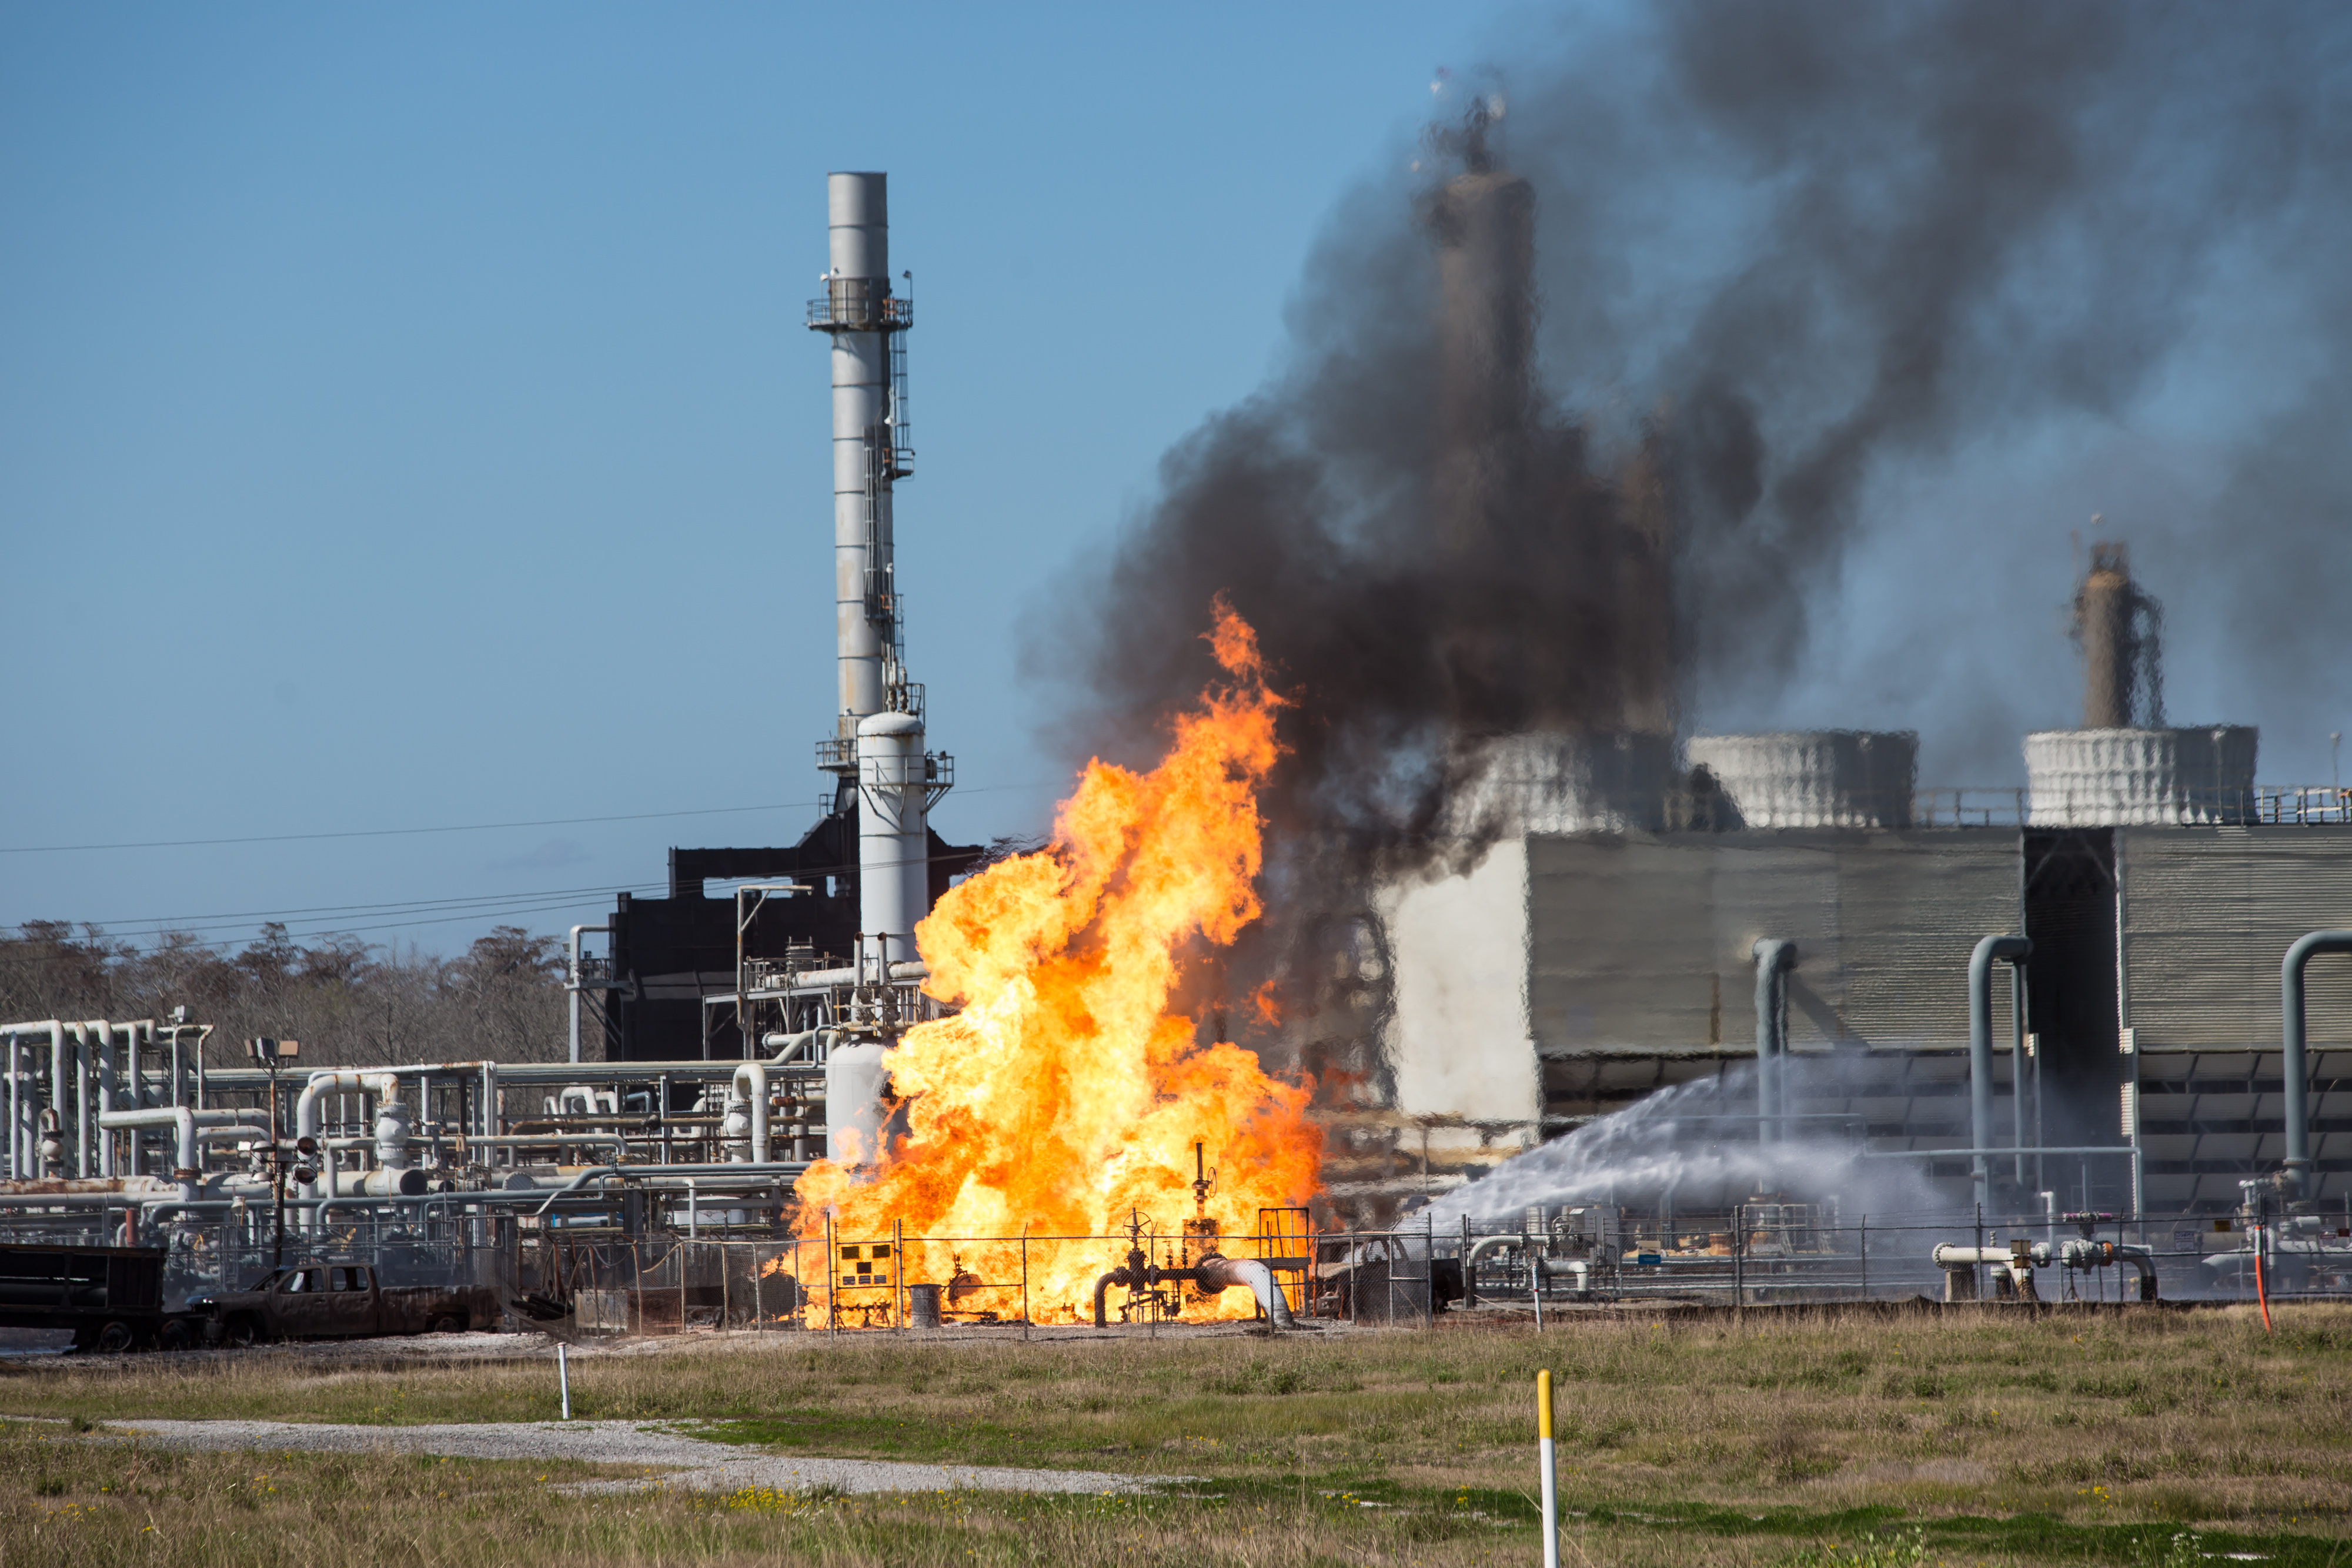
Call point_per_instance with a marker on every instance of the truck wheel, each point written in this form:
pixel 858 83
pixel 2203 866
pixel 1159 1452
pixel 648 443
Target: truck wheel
pixel 114 1339
pixel 244 1331
pixel 177 1333
pixel 445 1323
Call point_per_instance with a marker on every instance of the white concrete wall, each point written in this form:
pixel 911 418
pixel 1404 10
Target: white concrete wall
pixel 1460 1039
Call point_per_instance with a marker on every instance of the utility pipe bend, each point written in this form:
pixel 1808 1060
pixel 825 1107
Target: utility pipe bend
pixel 1989 951
pixel 789 1046
pixel 1479 1248
pixel 383 1085
pixel 2296 1167
pixel 1775 957
pixel 1216 1272
pixel 750 1081
pixel 1576 1269
pixel 20 1149
pixel 1102 1290
pixel 189 1126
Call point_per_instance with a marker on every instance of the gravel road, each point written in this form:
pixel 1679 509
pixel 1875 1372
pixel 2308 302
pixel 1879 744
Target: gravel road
pixel 681 1460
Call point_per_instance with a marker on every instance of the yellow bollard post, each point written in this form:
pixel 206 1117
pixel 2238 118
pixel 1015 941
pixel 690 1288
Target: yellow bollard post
pixel 1544 1459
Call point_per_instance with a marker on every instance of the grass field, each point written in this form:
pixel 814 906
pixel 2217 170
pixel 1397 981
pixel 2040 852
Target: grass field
pixel 2145 1438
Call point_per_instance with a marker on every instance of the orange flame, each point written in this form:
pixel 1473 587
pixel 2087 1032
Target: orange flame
pixel 1065 1094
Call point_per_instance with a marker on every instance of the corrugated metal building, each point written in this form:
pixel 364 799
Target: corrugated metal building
pixel 1570 974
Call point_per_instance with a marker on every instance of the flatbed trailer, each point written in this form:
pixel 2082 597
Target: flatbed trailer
pixel 109 1298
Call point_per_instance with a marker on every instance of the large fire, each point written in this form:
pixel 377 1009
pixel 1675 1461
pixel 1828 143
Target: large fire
pixel 1065 1096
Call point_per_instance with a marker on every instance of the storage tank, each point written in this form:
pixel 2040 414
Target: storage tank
pixel 1806 779
pixel 1549 782
pixel 2140 778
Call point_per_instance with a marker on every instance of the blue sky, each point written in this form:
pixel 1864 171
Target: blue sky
pixel 405 419
pixel 407 422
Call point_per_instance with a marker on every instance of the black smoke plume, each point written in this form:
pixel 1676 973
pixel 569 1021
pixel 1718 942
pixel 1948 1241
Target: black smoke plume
pixel 1583 414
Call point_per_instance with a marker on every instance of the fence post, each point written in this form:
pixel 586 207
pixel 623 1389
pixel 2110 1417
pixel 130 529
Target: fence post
pixel 1738 1261
pixel 832 1306
pixel 1865 1257
pixel 1024 1282
pixel 1355 1279
pixel 898 1273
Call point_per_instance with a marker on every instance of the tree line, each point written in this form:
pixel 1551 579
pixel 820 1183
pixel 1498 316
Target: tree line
pixel 350 1003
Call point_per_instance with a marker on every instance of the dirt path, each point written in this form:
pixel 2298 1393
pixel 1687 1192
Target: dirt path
pixel 671 1457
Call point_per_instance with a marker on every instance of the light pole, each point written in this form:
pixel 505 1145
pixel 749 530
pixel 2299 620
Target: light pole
pixel 271 1054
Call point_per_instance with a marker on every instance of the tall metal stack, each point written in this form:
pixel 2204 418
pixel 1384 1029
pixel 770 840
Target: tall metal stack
pixel 878 739
pixel 689 977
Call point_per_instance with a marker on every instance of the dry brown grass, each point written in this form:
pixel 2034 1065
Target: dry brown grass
pixel 2115 1424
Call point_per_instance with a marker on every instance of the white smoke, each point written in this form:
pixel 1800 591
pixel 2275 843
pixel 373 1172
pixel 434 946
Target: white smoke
pixel 1694 1145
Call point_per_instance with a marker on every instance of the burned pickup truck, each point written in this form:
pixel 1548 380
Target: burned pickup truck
pixel 341 1300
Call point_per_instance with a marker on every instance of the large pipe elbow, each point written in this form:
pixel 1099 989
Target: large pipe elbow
pixel 1221 1273
pixel 307 1120
pixel 751 1082
pixel 191 1128
pixel 1478 1249
pixel 1775 957
pixel 1989 952
pixel 2297 1164
pixel 1102 1295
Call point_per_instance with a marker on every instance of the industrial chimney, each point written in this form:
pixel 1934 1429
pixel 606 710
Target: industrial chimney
pixel 2124 766
pixel 2118 627
pixel 879 735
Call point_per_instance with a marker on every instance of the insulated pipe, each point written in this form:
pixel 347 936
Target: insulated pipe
pixel 788 1046
pixel 857 284
pixel 2013 950
pixel 20 1149
pixel 1577 1269
pixel 383 1085
pixel 57 1077
pixel 908 969
pixel 856 1074
pixel 105 1150
pixel 1102 1293
pixel 1774 958
pixel 1216 1272
pixel 598 1173
pixel 87 1036
pixel 751 1081
pixel 894 873
pixel 572 982
pixel 2297 1166
pixel 187 1126
pixel 1479 1248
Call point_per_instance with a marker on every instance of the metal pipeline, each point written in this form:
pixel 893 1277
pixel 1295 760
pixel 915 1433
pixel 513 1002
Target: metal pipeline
pixel 1479 1248
pixel 87 1037
pixel 901 970
pixel 2082 1254
pixel 188 1158
pixel 1217 1272
pixel 1213 1273
pixel 1774 958
pixel 788 1046
pixel 2296 1167
pixel 2013 950
pixel 642 1173
pixel 750 1081
pixel 1579 1269
pixel 571 981
pixel 20 1142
